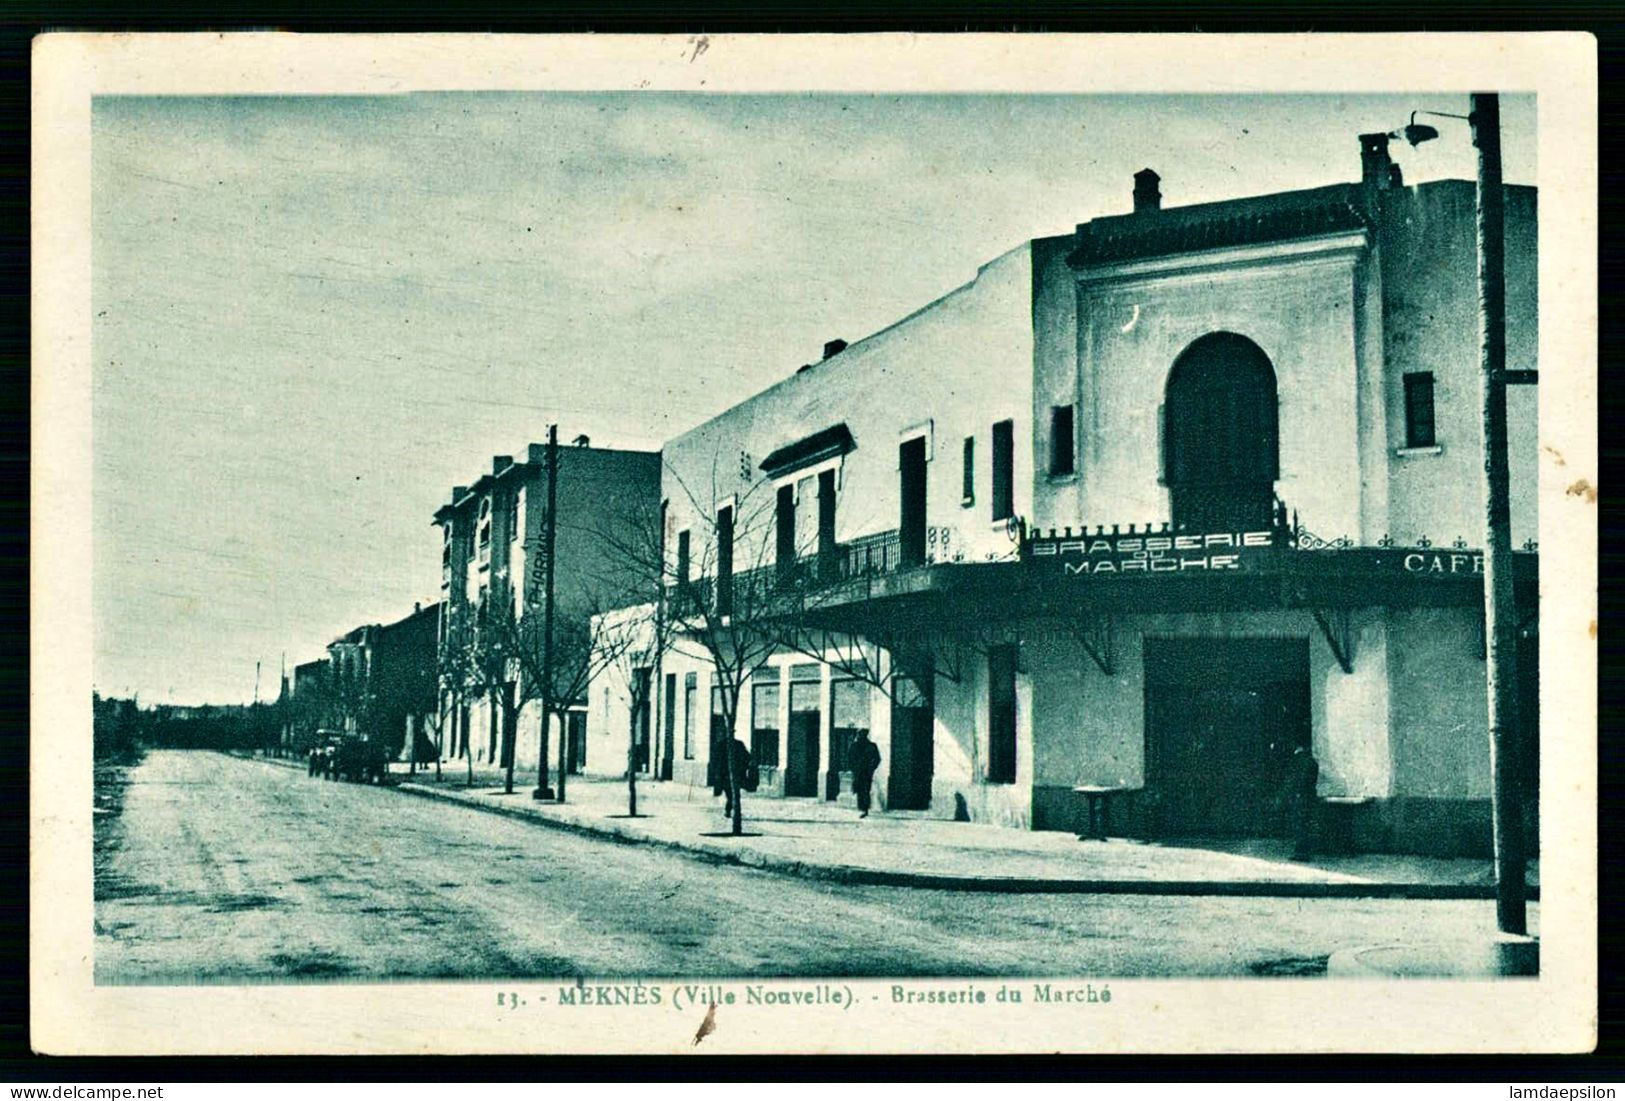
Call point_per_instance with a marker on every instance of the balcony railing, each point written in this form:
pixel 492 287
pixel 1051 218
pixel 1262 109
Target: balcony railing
pixel 781 587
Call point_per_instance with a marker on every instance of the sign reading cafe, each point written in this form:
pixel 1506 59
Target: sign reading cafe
pixel 1148 553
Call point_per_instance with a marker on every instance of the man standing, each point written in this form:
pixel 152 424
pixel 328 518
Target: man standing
pixel 865 758
pixel 1302 776
pixel 716 765
pixel 738 775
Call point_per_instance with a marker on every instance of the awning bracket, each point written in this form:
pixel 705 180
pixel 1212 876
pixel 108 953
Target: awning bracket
pixel 1334 624
pixel 1097 635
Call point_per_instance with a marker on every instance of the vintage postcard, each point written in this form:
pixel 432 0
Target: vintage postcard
pixel 814 544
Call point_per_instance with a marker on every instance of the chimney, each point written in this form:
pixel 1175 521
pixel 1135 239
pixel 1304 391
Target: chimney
pixel 1146 196
pixel 499 463
pixel 417 606
pixel 457 492
pixel 1376 169
pixel 536 453
pixel 834 348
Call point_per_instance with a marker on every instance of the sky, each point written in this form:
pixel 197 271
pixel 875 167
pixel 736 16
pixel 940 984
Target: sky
pixel 314 315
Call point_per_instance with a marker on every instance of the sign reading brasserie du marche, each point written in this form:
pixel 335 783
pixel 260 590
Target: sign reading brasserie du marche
pixel 1197 554
pixel 1152 553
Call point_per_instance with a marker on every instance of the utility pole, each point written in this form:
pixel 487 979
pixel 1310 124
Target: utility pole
pixel 549 530
pixel 1500 613
pixel 1500 607
pixel 283 749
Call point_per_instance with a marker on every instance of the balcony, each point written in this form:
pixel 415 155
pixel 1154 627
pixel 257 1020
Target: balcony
pixel 782 588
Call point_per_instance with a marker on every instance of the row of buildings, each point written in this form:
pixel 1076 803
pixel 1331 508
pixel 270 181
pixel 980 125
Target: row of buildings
pixel 380 679
pixel 1129 517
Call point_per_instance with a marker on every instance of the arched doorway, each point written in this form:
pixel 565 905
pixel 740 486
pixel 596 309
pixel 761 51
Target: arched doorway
pixel 1221 440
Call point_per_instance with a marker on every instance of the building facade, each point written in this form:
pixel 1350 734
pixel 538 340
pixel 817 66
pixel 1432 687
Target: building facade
pixel 379 680
pixel 492 537
pixel 1122 523
pixel 307 706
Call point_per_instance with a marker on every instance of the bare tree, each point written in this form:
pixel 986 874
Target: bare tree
pixel 312 706
pixel 635 635
pixel 633 640
pixel 713 604
pixel 351 686
pixel 510 665
pixel 507 669
pixel 586 643
pixel 457 675
pixel 478 666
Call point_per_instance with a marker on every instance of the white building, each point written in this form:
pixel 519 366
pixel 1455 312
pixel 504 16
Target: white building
pixel 1140 509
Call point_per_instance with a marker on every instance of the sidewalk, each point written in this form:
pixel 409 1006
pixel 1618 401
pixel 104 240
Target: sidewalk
pixel 819 840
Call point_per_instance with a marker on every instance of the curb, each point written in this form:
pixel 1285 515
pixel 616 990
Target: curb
pixel 873 877
pixel 279 762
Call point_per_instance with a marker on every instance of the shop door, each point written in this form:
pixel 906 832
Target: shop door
pixel 908 783
pixel 1222 718
pixel 669 749
pixel 640 731
pixel 801 765
pixel 802 740
pixel 576 730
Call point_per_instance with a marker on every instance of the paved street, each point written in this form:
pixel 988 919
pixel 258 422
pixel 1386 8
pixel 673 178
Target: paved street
pixel 217 869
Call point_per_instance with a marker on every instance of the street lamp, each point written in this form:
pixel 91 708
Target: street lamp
pixel 1500 614
pixel 1417 132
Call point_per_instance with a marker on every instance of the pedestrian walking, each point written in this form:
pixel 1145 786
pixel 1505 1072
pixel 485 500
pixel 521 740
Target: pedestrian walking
pixel 1302 774
pixel 864 756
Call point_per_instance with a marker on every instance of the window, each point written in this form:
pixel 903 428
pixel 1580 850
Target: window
pixel 785 551
pixel 1062 443
pixel 517 529
pixel 725 559
pixel 968 475
pixel 912 459
pixel 1221 436
pixel 485 530
pixel 806 518
pixel 1419 426
pixel 682 557
pixel 849 715
pixel 690 689
pixel 764 722
pixel 1004 459
pixel 826 523
pixel 1001 715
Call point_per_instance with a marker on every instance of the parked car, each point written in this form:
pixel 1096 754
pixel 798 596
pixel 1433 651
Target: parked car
pixel 360 759
pixel 323 753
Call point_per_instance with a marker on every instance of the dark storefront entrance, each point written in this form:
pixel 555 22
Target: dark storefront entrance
pixel 1222 716
pixel 802 742
pixel 908 782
